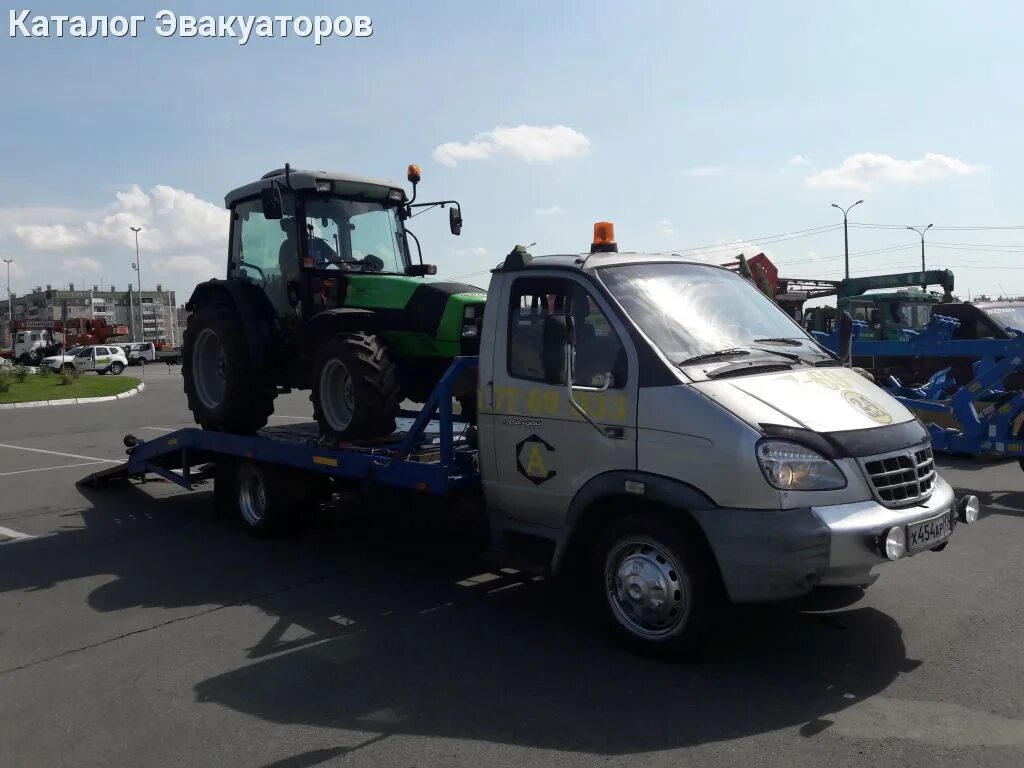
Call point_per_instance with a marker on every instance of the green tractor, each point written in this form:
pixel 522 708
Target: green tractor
pixel 322 293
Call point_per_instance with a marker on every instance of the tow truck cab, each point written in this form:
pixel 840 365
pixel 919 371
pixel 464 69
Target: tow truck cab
pixel 666 422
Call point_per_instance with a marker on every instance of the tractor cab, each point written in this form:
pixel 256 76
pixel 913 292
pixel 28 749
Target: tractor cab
pixel 301 234
pixel 889 315
pixel 323 292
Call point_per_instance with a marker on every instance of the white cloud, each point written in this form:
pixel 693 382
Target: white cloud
pixel 531 143
pixel 170 219
pixel 183 239
pixel 478 250
pixel 48 237
pixel 700 171
pixel 866 169
pixel 795 161
pixel 81 263
pixel 198 268
pixel 554 210
pixel 667 228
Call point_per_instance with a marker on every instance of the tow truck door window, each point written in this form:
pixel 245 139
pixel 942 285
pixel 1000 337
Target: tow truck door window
pixel 544 450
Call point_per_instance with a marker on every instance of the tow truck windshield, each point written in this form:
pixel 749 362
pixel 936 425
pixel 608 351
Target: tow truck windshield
pixel 696 313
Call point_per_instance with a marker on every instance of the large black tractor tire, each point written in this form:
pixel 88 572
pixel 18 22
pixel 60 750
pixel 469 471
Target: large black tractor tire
pixel 225 391
pixel 355 388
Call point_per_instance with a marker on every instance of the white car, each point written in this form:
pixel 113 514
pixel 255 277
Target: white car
pixel 142 353
pixel 58 361
pixel 102 359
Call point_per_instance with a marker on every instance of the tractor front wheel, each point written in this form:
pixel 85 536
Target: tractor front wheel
pixel 355 388
pixel 225 391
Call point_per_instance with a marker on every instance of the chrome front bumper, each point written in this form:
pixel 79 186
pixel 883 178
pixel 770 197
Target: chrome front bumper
pixel 854 532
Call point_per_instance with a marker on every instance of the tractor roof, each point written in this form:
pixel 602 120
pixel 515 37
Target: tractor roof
pixel 341 184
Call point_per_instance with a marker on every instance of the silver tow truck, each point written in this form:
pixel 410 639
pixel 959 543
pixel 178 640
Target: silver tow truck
pixel 652 424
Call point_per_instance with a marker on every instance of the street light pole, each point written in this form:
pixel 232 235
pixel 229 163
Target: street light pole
pixel 846 234
pixel 921 231
pixel 10 304
pixel 138 269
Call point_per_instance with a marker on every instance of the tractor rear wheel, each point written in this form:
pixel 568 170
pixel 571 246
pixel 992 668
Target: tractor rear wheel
pixel 355 387
pixel 225 391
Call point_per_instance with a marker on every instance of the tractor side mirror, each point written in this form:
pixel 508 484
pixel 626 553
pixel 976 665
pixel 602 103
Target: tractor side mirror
pixel 455 221
pixel 559 337
pixel 421 270
pixel 845 337
pixel 273 204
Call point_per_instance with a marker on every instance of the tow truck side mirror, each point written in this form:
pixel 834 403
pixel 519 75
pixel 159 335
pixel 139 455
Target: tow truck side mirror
pixel 845 337
pixel 272 203
pixel 455 221
pixel 559 336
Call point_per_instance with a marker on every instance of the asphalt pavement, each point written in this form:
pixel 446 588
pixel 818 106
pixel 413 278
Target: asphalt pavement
pixel 139 627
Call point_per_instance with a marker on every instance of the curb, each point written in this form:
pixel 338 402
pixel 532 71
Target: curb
pixel 76 400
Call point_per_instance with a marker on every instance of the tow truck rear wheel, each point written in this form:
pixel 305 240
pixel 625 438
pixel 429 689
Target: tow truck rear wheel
pixel 654 585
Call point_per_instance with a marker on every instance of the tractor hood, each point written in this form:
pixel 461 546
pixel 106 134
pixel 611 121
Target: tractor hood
pixel 818 399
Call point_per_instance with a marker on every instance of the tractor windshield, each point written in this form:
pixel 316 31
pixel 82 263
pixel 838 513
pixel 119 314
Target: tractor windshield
pixel 354 235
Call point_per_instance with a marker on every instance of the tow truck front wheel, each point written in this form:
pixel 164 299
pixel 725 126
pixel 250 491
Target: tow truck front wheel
pixel 654 585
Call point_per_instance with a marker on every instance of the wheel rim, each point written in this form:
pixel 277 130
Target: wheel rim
pixel 252 496
pixel 210 374
pixel 337 395
pixel 646 588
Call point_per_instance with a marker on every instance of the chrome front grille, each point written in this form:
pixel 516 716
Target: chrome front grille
pixel 901 477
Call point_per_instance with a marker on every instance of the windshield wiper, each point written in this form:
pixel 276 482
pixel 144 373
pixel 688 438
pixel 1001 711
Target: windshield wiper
pixel 779 352
pixel 733 352
pixel 788 341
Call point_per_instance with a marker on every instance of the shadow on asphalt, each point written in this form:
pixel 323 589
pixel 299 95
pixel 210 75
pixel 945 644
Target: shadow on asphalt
pixel 993 502
pixel 373 634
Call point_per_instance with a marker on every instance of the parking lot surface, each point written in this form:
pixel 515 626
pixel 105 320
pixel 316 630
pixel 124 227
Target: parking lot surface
pixel 139 627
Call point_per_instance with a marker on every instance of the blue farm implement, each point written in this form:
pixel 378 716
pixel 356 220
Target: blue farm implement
pixel 979 417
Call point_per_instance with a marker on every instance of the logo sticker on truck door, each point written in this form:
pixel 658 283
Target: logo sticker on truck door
pixel 535 459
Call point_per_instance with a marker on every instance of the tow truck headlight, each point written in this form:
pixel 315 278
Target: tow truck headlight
pixel 969 509
pixel 894 544
pixel 793 467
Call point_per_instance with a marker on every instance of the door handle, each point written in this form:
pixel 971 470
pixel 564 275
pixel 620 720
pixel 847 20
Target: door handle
pixel 615 433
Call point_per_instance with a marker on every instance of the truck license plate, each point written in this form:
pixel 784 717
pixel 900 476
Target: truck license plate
pixel 929 533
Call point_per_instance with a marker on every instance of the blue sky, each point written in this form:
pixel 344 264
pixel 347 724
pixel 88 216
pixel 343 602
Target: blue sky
pixel 687 124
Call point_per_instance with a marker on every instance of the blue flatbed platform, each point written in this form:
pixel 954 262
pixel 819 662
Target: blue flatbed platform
pixel 428 454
